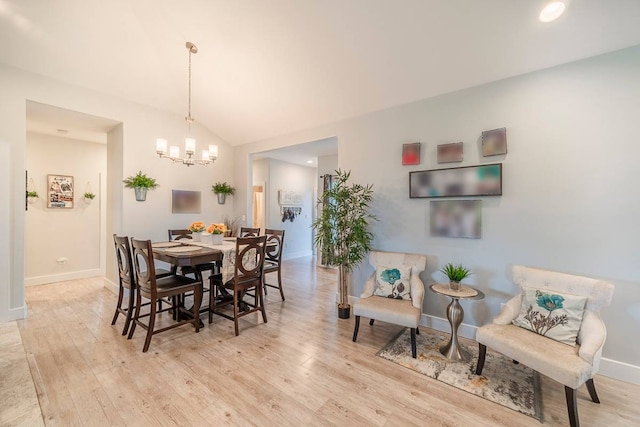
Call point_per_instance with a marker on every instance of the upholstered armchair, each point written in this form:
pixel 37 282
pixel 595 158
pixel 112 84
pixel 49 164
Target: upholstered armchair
pixel 401 312
pixel 567 364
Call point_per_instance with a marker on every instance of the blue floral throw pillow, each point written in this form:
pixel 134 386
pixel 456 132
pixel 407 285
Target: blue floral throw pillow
pixel 393 282
pixel 552 314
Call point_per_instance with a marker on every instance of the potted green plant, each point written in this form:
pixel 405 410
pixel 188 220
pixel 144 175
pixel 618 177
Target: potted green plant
pixel 222 190
pixel 342 230
pixel 88 197
pixel 32 196
pixel 455 274
pixel 140 183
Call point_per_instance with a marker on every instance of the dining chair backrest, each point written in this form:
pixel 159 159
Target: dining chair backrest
pixel 179 234
pixel 249 261
pixel 144 267
pixel 249 232
pixel 274 245
pixel 123 255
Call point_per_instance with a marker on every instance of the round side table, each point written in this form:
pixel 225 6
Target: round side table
pixel 453 350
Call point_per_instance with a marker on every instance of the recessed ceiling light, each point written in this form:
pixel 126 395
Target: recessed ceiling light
pixel 552 11
pixel 309 161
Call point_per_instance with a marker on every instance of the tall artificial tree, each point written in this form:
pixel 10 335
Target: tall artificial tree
pixel 342 230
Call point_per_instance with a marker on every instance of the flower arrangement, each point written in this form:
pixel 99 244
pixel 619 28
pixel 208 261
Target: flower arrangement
pixel 216 228
pixel 196 227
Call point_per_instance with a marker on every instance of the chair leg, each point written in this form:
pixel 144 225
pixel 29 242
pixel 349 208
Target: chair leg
pixel 355 328
pixel 482 352
pixel 280 282
pixel 572 405
pixel 417 330
pixel 197 302
pixel 120 296
pixel 414 351
pixel 130 307
pixel 152 321
pixel 371 322
pixel 212 299
pixel 235 310
pixel 592 390
pixel 136 316
pixel 262 309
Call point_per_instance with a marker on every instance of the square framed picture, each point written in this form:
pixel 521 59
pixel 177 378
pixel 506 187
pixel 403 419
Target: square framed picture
pixel 184 201
pixel 494 142
pixel 456 218
pixel 59 191
pixel 450 153
pixel 411 153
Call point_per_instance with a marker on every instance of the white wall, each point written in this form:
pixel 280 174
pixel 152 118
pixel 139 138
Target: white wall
pixel 570 200
pixel 133 149
pixel 326 165
pixel 70 233
pixel 280 175
pixel 291 177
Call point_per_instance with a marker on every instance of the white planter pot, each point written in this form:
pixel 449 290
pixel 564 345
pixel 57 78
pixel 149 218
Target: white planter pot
pixel 197 236
pixel 217 239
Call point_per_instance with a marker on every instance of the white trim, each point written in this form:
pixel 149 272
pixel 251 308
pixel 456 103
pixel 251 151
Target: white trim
pixel 113 287
pixel 620 371
pixel 608 367
pixel 298 254
pixel 17 313
pixel 42 280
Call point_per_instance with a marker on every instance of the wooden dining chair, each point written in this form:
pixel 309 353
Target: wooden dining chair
pixel 153 288
pixel 180 234
pixel 249 232
pixel 127 281
pixel 273 257
pixel 247 275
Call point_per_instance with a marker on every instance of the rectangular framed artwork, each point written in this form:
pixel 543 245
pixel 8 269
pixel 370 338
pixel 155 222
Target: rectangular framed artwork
pixel 494 142
pixel 185 201
pixel 411 154
pixel 59 191
pixel 449 153
pixel 469 181
pixel 456 218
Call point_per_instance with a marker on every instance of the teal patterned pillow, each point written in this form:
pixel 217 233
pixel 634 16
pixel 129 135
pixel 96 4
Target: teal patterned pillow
pixel 552 314
pixel 393 282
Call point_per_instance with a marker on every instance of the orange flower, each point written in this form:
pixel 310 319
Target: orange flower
pixel 216 228
pixel 196 227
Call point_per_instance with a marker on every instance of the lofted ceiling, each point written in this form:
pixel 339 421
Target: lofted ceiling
pixel 267 68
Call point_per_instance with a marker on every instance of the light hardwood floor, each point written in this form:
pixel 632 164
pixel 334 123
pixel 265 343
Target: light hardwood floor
pixel 301 368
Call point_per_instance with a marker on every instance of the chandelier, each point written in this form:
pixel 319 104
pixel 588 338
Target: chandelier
pixel 208 156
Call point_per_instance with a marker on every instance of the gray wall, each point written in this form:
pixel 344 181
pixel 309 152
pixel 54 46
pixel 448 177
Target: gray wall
pixel 569 201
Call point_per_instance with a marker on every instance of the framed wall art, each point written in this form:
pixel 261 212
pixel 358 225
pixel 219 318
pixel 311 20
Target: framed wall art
pixel 456 218
pixel 450 153
pixel 468 181
pixel 494 142
pixel 59 191
pixel 184 201
pixel 411 153
pixel 289 197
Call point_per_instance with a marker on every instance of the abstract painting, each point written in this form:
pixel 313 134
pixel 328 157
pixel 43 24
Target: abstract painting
pixel 184 201
pixel 456 218
pixel 482 180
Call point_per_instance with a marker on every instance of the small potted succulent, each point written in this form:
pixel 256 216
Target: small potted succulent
pixel 222 190
pixel 196 228
pixel 455 273
pixel 32 196
pixel 140 183
pixel 88 197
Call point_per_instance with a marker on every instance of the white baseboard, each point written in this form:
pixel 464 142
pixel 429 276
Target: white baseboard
pixel 298 254
pixel 53 278
pixel 608 367
pixel 113 287
pixel 16 313
pixel 620 371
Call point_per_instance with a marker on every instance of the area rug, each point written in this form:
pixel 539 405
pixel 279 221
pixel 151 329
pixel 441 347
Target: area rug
pixel 515 386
